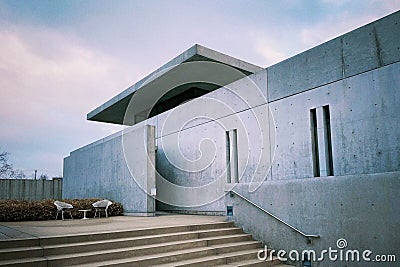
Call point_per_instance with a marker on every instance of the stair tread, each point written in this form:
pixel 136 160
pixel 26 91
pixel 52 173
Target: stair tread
pixel 225 236
pixel 151 246
pixel 252 261
pixel 232 244
pixel 172 253
pixel 144 237
pixel 207 258
pixel 138 258
pixel 17 249
pixel 24 260
pixel 223 225
pixel 36 248
pixel 220 225
pixel 90 253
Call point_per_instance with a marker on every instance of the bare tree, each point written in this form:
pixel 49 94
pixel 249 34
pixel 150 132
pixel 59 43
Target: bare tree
pixel 18 174
pixel 44 177
pixel 6 169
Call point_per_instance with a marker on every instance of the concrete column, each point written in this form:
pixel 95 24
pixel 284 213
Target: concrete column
pixel 322 143
pixel 228 159
pixel 234 162
pixel 232 171
pixel 151 168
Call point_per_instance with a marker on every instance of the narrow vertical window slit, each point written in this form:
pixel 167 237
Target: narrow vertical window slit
pixel 327 122
pixel 314 142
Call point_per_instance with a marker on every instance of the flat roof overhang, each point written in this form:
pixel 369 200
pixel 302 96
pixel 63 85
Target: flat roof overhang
pixel 206 76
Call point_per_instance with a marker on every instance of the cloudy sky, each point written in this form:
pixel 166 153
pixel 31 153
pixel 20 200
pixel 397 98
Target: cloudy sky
pixel 61 59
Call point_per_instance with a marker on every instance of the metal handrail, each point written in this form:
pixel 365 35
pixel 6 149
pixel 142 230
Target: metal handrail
pixel 275 217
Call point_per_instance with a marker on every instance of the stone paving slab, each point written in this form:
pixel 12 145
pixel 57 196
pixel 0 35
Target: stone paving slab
pixel 29 229
pixel 9 232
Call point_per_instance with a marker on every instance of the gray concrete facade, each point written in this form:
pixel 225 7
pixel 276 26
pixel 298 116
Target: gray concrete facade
pixel 114 109
pixel 363 209
pixel 369 47
pixel 358 76
pixel 364 122
pixel 315 139
pixel 100 170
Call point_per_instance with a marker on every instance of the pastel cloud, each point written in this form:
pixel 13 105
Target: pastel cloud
pixel 345 20
pixel 48 82
pixel 59 61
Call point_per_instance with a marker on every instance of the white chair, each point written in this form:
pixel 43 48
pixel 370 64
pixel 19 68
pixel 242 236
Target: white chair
pixel 101 205
pixel 63 207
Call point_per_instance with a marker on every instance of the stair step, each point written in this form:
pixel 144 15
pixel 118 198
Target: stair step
pixel 211 241
pixel 232 247
pixel 30 247
pixel 20 253
pixel 256 263
pixel 119 242
pixel 82 258
pixel 218 232
pixel 27 262
pixel 215 260
pixel 157 260
pixel 90 237
pixel 15 243
pixel 119 253
pixel 145 240
pixel 210 244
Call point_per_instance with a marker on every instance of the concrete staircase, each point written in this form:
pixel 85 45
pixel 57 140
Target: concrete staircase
pixel 209 244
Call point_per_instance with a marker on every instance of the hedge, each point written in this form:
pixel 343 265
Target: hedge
pixel 21 210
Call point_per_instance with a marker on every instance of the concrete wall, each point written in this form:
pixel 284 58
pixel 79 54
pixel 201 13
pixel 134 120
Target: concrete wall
pixel 361 208
pixel 358 76
pixel 191 152
pixel 191 142
pixel 24 189
pixel 363 115
pixel 364 122
pixel 100 170
pixel 369 47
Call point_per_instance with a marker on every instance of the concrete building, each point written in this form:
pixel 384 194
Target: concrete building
pixel 313 141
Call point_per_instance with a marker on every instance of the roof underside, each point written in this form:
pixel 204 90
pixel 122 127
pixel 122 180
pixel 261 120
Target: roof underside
pixel 174 83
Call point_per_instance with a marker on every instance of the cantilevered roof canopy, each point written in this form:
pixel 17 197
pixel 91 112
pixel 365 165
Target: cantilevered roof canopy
pixel 177 79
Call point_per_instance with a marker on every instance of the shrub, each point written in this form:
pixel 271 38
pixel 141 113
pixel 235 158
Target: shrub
pixel 22 210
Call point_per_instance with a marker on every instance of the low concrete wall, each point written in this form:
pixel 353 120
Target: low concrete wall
pixel 100 170
pixel 363 209
pixel 24 189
